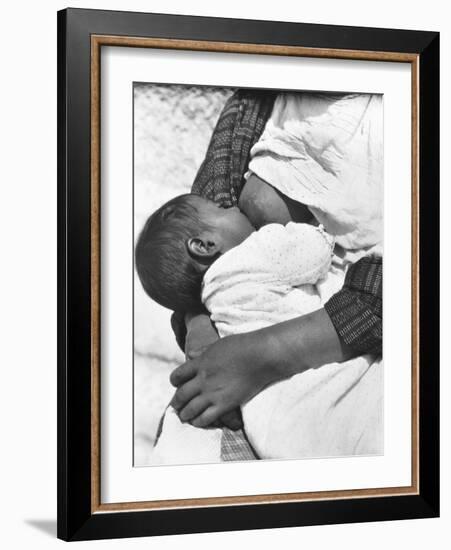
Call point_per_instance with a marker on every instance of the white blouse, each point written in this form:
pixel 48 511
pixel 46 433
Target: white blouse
pixel 326 151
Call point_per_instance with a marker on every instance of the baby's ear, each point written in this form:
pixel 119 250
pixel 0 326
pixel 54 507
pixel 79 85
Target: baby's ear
pixel 202 249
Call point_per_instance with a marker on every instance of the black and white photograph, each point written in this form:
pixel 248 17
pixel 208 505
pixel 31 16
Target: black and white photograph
pixel 257 294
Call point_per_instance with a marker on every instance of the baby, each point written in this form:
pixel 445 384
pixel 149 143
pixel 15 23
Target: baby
pixel 193 252
pixel 178 244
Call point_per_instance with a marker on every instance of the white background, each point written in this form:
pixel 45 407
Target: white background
pixel 28 275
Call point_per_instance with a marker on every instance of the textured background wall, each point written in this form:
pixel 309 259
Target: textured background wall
pixel 173 126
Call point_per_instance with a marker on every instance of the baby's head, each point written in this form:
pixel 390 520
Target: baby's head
pixel 179 242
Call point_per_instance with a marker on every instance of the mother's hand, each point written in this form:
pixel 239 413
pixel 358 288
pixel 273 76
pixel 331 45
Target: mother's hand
pixel 226 375
pixel 234 369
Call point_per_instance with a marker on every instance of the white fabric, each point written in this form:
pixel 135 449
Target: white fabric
pixel 181 443
pixel 325 151
pixel 335 410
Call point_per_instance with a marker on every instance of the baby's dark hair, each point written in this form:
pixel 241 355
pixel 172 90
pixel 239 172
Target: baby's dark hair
pixel 167 272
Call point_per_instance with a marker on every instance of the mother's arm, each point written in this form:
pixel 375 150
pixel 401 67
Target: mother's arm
pixel 234 369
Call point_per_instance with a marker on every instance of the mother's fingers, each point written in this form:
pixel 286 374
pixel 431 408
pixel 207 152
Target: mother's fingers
pixel 185 393
pixel 182 374
pixel 194 408
pixel 232 420
pixel 207 418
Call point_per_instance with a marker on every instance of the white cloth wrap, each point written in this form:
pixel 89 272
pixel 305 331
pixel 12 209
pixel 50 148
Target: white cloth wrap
pixel 270 277
pixel 181 443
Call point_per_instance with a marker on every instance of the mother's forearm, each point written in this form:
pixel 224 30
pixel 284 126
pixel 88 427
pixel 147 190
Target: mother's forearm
pixel 235 368
pixel 299 344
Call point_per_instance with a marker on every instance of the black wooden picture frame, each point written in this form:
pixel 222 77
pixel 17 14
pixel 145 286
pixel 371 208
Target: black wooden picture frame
pixel 80 514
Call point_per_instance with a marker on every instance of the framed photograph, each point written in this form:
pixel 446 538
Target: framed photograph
pixel 248 274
